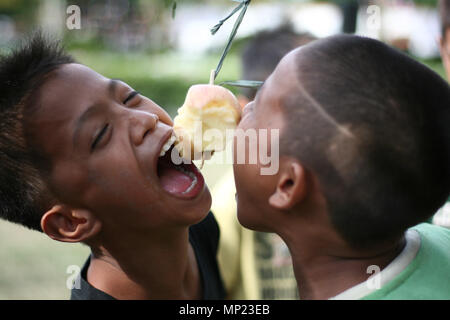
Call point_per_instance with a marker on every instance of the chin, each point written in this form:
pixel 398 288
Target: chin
pixel 247 219
pixel 194 211
pixel 204 206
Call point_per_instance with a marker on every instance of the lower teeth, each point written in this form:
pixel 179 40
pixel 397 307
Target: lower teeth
pixel 193 184
pixel 191 175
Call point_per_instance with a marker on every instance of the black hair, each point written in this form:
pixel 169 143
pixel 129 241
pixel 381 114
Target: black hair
pixel 24 195
pixel 372 125
pixel 263 52
pixel 444 10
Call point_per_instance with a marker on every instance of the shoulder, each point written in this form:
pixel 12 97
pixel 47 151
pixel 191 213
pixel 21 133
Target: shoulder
pixel 435 243
pixel 204 238
pixel 426 277
pixel 433 233
pixel 430 279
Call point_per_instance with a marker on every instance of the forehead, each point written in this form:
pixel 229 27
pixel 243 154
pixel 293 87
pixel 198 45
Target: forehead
pixel 281 83
pixel 66 93
pixel 70 82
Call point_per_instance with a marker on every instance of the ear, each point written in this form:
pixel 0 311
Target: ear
pixel 65 224
pixel 291 186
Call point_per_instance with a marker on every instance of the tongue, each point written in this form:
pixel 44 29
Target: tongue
pixel 172 180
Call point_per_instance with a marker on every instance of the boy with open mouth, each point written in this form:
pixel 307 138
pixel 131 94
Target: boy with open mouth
pixel 87 159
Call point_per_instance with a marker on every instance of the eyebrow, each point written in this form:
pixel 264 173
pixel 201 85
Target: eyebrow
pixel 112 88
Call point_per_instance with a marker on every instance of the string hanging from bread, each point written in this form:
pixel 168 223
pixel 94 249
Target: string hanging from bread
pixel 209 106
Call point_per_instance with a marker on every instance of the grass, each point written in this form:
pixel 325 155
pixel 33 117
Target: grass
pixel 33 266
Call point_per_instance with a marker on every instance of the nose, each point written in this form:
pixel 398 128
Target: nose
pixel 141 124
pixel 249 105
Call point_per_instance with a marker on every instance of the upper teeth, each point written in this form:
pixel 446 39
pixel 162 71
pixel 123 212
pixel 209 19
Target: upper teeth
pixel 167 145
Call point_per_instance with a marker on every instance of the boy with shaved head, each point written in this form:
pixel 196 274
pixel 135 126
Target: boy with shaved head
pixel 364 159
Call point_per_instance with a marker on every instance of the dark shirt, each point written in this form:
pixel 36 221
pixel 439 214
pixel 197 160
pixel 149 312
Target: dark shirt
pixel 204 238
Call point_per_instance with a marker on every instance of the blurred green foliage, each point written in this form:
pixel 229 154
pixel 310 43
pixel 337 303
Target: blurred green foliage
pixel 165 78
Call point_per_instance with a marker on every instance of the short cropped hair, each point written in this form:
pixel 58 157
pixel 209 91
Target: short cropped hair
pixel 24 195
pixel 372 125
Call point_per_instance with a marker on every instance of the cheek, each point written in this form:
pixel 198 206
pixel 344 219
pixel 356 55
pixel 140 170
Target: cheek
pixel 121 201
pixel 105 194
pixel 251 197
pixel 69 182
pixel 245 141
pixel 115 182
pixel 122 181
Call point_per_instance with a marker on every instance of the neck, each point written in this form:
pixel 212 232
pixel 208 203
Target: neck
pixel 323 270
pixel 148 265
pixel 324 264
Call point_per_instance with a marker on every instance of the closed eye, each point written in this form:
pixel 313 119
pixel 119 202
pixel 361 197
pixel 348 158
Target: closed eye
pixel 130 96
pixel 99 136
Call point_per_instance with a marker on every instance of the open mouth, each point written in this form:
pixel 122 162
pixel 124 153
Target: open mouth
pixel 183 180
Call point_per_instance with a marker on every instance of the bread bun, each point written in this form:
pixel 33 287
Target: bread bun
pixel 202 121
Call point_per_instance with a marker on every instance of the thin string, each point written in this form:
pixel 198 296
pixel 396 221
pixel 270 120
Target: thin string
pixel 243 4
